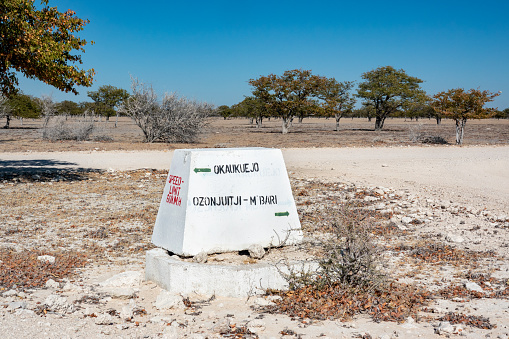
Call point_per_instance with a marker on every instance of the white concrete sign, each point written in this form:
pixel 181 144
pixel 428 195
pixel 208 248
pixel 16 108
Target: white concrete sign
pixel 220 200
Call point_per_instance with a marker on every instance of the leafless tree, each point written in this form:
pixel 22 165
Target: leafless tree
pixel 175 119
pixel 48 108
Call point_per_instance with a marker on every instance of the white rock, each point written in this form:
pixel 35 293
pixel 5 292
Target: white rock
pixel 47 258
pixel 256 325
pixel 124 279
pixel 445 327
pixel 58 303
pixel 256 251
pixel 472 286
pixel 10 293
pixel 127 311
pixel 167 300
pixel 200 258
pixel 104 319
pixel 454 238
pixel 406 220
pixel 120 292
pixel 70 287
pixel 52 284
pixel 370 198
pixel 16 304
pixel 380 206
pixel 263 302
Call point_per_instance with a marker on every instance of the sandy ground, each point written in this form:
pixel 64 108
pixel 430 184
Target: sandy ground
pixel 474 177
pixel 463 174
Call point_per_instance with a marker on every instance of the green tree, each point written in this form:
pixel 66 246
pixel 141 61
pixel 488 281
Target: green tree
pixel 288 95
pixel 224 111
pixel 252 108
pixel 68 107
pixel 388 90
pixel 40 44
pixel 22 106
pixel 336 98
pixel 107 99
pixel 462 105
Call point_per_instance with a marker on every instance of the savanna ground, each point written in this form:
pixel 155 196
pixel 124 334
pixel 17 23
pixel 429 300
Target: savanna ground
pixel 312 132
pixel 446 261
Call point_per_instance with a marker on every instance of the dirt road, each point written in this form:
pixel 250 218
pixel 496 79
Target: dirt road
pixel 479 175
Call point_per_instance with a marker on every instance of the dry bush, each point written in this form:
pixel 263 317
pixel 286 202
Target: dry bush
pixel 349 258
pixel 60 129
pixel 176 119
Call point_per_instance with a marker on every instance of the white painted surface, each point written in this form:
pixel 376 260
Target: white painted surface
pixel 220 200
pixel 180 277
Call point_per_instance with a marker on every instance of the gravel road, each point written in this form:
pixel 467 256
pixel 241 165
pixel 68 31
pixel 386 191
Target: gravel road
pixel 463 174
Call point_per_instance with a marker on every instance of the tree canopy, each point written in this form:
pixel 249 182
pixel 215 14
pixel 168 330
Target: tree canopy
pixel 108 97
pixel 388 90
pixel 288 95
pixel 461 105
pixel 40 45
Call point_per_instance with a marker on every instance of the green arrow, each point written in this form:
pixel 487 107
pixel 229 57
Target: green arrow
pixel 196 170
pixel 282 214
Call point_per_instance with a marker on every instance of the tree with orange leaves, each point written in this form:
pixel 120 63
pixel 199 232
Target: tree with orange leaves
pixel 40 44
pixel 462 105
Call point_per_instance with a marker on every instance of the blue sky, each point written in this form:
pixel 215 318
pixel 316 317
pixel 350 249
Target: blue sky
pixel 208 50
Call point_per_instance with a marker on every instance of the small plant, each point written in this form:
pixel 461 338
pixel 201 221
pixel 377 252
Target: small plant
pixel 65 130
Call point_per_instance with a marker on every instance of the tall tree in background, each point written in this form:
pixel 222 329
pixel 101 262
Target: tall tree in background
pixel 288 95
pixel 22 106
pixel 336 98
pixel 107 99
pixel 462 105
pixel 40 45
pixel 252 108
pixel 68 107
pixel 387 90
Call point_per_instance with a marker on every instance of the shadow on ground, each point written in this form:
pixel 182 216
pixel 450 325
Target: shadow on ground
pixel 42 170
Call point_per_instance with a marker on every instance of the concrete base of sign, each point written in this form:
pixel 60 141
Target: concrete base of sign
pixel 182 277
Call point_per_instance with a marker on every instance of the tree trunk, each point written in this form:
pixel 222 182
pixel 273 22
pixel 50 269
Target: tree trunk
pixel 286 123
pixel 7 121
pixel 439 120
pixel 21 120
pixel 259 121
pixel 300 119
pixel 379 123
pixel 338 117
pixel 116 120
pixel 460 128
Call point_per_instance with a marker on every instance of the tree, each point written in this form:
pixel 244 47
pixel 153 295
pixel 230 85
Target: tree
pixel 252 108
pixel 462 105
pixel 40 45
pixel 47 107
pixel 68 107
pixel 176 119
pixel 21 106
pixel 336 98
pixel 107 98
pixel 5 110
pixel 388 90
pixel 224 111
pixel 288 95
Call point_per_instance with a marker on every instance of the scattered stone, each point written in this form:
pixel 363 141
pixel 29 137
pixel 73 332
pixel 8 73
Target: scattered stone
pixel 454 238
pixel 58 304
pixel 52 284
pixel 406 220
pixel 166 300
pixel 256 325
pixel 127 311
pixel 160 320
pixel 120 293
pixel 370 198
pixel 124 279
pixel 472 286
pixel 10 293
pixel 446 328
pixel 263 302
pixel 104 319
pixel 48 258
pixel 200 258
pixel 16 304
pixel 256 251
pixel 70 287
